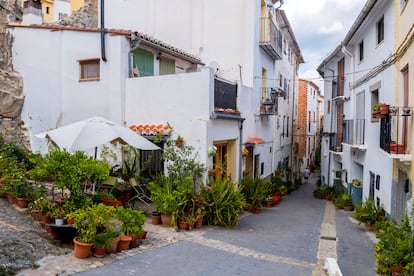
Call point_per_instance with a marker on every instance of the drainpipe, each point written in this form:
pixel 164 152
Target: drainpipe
pixel 330 128
pixel 240 150
pixel 103 55
pixel 292 140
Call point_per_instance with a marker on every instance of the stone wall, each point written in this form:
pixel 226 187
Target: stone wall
pixel 11 82
pixel 86 16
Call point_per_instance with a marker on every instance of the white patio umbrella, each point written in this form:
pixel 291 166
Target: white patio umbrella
pixel 93 132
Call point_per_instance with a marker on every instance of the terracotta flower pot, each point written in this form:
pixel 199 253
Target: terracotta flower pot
pixel 99 251
pixel 81 250
pixel 113 247
pixel 135 241
pixel 156 218
pixel 124 242
pixel 182 225
pixel 199 222
pixel 166 219
pixel 22 202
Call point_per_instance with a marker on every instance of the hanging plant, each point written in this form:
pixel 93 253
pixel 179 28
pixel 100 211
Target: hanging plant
pixel 212 151
pixel 245 152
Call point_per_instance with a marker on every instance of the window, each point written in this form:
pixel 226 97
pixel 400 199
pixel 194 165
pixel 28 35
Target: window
pixel 47 10
pixel 89 69
pixel 380 30
pixel 361 50
pixel 287 127
pixel 167 66
pixel 143 63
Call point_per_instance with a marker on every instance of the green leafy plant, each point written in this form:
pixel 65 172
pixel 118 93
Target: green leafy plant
pixel 394 248
pixel 255 190
pixel 131 221
pixel 224 202
pixel 93 220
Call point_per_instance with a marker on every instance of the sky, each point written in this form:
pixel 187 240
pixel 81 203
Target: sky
pixel 319 27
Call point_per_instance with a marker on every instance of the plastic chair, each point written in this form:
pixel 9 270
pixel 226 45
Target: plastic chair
pixel 139 193
pixel 110 183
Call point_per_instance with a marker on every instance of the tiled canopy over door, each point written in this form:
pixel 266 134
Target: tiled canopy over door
pixel 167 66
pixel 144 62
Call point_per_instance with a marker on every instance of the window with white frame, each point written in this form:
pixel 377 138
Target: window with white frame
pixel 89 69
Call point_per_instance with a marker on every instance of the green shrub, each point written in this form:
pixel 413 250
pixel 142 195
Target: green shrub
pixel 368 212
pixel 394 248
pixel 224 203
pixel 255 190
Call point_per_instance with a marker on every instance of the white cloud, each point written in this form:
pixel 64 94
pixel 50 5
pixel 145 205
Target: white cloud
pixel 336 27
pixel 319 26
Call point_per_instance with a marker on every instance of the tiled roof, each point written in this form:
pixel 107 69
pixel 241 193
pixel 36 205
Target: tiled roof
pixel 146 38
pixel 151 130
pixel 254 140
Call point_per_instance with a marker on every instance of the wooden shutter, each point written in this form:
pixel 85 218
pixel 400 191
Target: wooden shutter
pixel 144 61
pixel 167 66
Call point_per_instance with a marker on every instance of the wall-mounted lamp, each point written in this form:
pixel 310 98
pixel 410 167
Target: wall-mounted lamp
pixel 158 56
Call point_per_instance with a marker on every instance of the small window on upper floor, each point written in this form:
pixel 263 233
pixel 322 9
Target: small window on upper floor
pixel 361 50
pixel 89 69
pixel 380 30
pixel 47 10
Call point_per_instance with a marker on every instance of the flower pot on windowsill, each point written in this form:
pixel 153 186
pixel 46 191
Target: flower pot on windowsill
pixel 384 109
pixel 396 148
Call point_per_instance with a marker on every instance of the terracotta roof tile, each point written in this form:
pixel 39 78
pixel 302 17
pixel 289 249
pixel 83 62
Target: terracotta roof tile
pixel 145 37
pixel 151 130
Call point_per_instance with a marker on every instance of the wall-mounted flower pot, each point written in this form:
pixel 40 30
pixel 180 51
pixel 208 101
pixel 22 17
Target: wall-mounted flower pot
pixel 385 109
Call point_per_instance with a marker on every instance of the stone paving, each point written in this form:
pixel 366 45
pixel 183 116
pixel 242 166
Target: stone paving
pixel 32 245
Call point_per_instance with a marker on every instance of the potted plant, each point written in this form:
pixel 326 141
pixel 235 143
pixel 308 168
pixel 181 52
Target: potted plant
pixel 131 224
pixel 101 242
pixel 347 200
pixel 89 222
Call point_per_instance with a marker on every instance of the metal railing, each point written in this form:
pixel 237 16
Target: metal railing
pixel 270 39
pixel 354 132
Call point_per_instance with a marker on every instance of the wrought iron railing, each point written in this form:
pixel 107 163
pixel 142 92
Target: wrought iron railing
pixel 271 39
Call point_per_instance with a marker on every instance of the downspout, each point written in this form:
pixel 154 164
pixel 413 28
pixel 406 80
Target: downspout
pixel 330 129
pixel 103 55
pixel 292 141
pixel 240 150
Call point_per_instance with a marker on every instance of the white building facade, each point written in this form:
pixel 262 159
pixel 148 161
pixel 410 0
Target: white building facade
pixel 357 144
pixel 234 102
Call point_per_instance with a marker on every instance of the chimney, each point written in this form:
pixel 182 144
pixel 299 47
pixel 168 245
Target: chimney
pixel 32 12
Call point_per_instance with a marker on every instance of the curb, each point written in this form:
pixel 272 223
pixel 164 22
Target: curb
pixel 332 267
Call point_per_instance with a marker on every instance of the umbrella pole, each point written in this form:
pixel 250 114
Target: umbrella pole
pixel 96 152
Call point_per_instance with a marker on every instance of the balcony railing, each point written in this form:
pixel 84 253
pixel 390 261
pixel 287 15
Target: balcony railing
pixel 270 39
pixel 335 142
pixel 354 132
pixel 269 104
pixel 394 131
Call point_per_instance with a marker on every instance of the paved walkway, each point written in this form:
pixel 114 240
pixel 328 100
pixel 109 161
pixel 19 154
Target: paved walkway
pixel 293 238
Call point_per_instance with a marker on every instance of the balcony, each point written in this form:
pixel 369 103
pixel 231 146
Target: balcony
pixel 225 95
pixel 335 143
pixel 354 133
pixel 394 132
pixel 270 39
pixel 269 104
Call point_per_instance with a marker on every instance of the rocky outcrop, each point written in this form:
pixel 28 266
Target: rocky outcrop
pixel 11 82
pixel 86 16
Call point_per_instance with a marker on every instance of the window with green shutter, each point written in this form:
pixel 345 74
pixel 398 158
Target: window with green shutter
pixel 143 63
pixel 167 66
